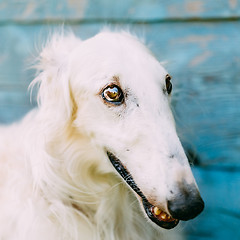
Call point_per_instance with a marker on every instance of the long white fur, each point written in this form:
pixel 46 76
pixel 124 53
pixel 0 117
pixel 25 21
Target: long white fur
pixel 56 180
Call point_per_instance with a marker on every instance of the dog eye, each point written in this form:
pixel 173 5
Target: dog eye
pixel 168 83
pixel 113 94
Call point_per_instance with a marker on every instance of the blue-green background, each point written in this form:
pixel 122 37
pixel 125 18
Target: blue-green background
pixel 199 40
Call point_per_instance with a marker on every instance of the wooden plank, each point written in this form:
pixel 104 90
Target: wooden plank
pixel 152 10
pixel 204 60
pixel 33 10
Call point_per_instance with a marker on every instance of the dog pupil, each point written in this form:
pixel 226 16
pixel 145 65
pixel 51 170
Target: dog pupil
pixel 112 93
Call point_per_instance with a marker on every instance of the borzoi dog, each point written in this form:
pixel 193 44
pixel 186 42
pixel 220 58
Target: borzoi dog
pixel 100 157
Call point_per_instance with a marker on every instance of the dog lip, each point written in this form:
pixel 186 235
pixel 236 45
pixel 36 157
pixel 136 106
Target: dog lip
pixel 147 206
pixel 125 174
pixel 169 224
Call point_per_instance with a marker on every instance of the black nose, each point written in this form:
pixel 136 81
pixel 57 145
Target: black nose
pixel 186 205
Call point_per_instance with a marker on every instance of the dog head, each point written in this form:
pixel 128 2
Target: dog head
pixel 116 93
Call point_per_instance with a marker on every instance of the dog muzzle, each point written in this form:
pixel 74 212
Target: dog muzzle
pixel 158 216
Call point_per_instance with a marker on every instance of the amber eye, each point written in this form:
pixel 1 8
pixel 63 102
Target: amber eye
pixel 168 83
pixel 113 94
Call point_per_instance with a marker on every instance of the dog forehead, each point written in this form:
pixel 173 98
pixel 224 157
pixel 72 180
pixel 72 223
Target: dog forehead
pixel 109 55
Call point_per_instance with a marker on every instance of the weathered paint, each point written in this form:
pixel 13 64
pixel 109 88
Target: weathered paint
pixel 203 58
pixel 13 10
pixel 197 56
pixel 41 10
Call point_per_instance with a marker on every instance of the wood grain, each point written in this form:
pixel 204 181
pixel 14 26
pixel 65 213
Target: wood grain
pixel 204 60
pixel 82 10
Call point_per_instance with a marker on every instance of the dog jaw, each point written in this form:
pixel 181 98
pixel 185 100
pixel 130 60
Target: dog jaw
pixel 159 217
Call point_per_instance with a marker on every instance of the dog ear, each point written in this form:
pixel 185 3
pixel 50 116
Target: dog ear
pixel 53 77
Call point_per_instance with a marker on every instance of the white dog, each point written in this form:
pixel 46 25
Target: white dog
pixel 100 157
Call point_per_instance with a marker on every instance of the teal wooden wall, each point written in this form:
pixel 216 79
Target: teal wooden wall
pixel 200 40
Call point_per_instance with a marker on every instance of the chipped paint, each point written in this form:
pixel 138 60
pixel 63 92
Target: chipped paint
pixel 202 41
pixel 194 7
pixel 30 9
pixel 233 3
pixel 174 10
pixel 189 8
pixel 200 58
pixel 78 5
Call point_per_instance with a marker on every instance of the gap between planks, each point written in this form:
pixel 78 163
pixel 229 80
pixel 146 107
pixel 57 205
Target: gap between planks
pixel 117 21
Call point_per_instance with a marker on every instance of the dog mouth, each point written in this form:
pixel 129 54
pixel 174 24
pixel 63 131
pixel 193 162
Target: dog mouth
pixel 158 216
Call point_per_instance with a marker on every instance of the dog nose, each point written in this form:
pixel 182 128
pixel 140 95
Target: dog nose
pixel 186 205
